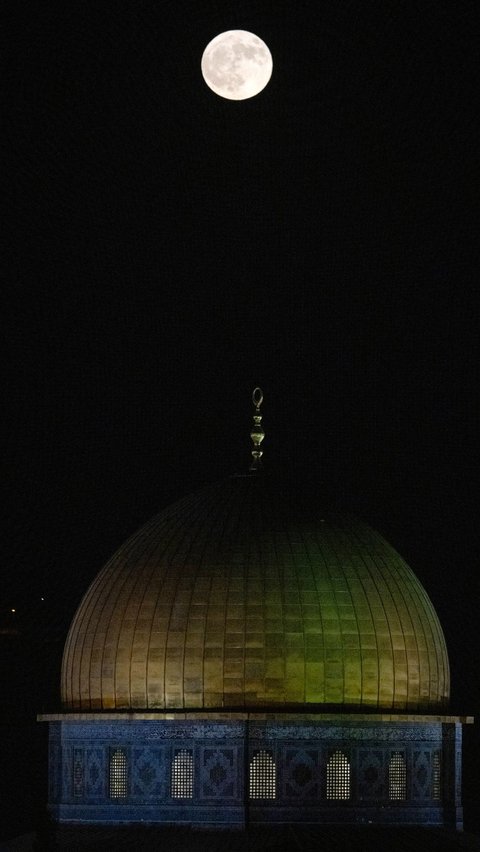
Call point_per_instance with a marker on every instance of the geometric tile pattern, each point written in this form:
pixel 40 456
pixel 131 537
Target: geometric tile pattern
pixel 218 773
pixel 78 772
pixel 371 774
pixel 149 772
pixel 422 775
pixel 205 770
pixel 301 773
pixel 55 773
pixel 437 775
pixel 95 759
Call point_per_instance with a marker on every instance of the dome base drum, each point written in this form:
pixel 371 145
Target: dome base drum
pixel 245 771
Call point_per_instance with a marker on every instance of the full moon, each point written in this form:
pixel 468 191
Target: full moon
pixel 237 65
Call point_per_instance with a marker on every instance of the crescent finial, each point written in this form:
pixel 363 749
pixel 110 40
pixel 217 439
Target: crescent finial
pixel 257 397
pixel 257 434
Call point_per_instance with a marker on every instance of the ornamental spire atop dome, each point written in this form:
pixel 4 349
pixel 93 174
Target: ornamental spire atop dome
pixel 257 434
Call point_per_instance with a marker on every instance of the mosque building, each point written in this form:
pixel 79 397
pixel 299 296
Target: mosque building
pixel 249 657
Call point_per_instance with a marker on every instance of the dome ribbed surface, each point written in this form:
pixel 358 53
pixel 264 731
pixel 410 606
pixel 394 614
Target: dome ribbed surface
pixel 244 595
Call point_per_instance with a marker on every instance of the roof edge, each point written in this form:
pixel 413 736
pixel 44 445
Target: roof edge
pixel 298 717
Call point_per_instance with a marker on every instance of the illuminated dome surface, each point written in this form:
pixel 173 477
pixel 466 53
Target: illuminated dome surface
pixel 245 596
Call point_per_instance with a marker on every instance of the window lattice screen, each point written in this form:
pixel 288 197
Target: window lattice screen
pixel 338 776
pixel 436 775
pixel 397 776
pixel 118 774
pixel 182 774
pixel 262 776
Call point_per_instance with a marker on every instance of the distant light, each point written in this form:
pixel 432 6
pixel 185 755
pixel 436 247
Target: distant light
pixel 42 599
pixel 236 65
pixel 13 610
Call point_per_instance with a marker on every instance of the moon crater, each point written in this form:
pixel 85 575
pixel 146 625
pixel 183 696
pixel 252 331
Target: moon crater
pixel 237 65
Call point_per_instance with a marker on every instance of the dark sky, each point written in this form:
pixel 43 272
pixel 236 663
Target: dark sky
pixel 171 249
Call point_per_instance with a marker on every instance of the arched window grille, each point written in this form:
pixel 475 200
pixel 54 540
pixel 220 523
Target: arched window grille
pixel 397 776
pixel 437 775
pixel 338 776
pixel 262 777
pixel 118 773
pixel 182 774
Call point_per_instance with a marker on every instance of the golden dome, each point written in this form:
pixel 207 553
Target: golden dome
pixel 243 596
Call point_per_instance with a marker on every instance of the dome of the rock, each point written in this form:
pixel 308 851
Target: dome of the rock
pixel 250 657
pixel 248 595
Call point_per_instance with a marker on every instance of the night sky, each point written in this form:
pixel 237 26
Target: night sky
pixel 170 249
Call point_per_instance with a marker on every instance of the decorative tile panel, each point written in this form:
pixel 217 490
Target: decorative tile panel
pixel 301 773
pixel 149 773
pixel 371 784
pixel 287 772
pixel 95 772
pixel 218 773
pixel 78 772
pixel 67 773
pixel 421 775
pixel 55 772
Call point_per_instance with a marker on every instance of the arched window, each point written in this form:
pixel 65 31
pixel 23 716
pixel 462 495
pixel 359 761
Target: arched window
pixel 182 774
pixel 338 776
pixel 263 784
pixel 397 776
pixel 436 776
pixel 118 773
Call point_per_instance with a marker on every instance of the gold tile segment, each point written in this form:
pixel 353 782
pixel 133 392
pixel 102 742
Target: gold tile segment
pixel 246 595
